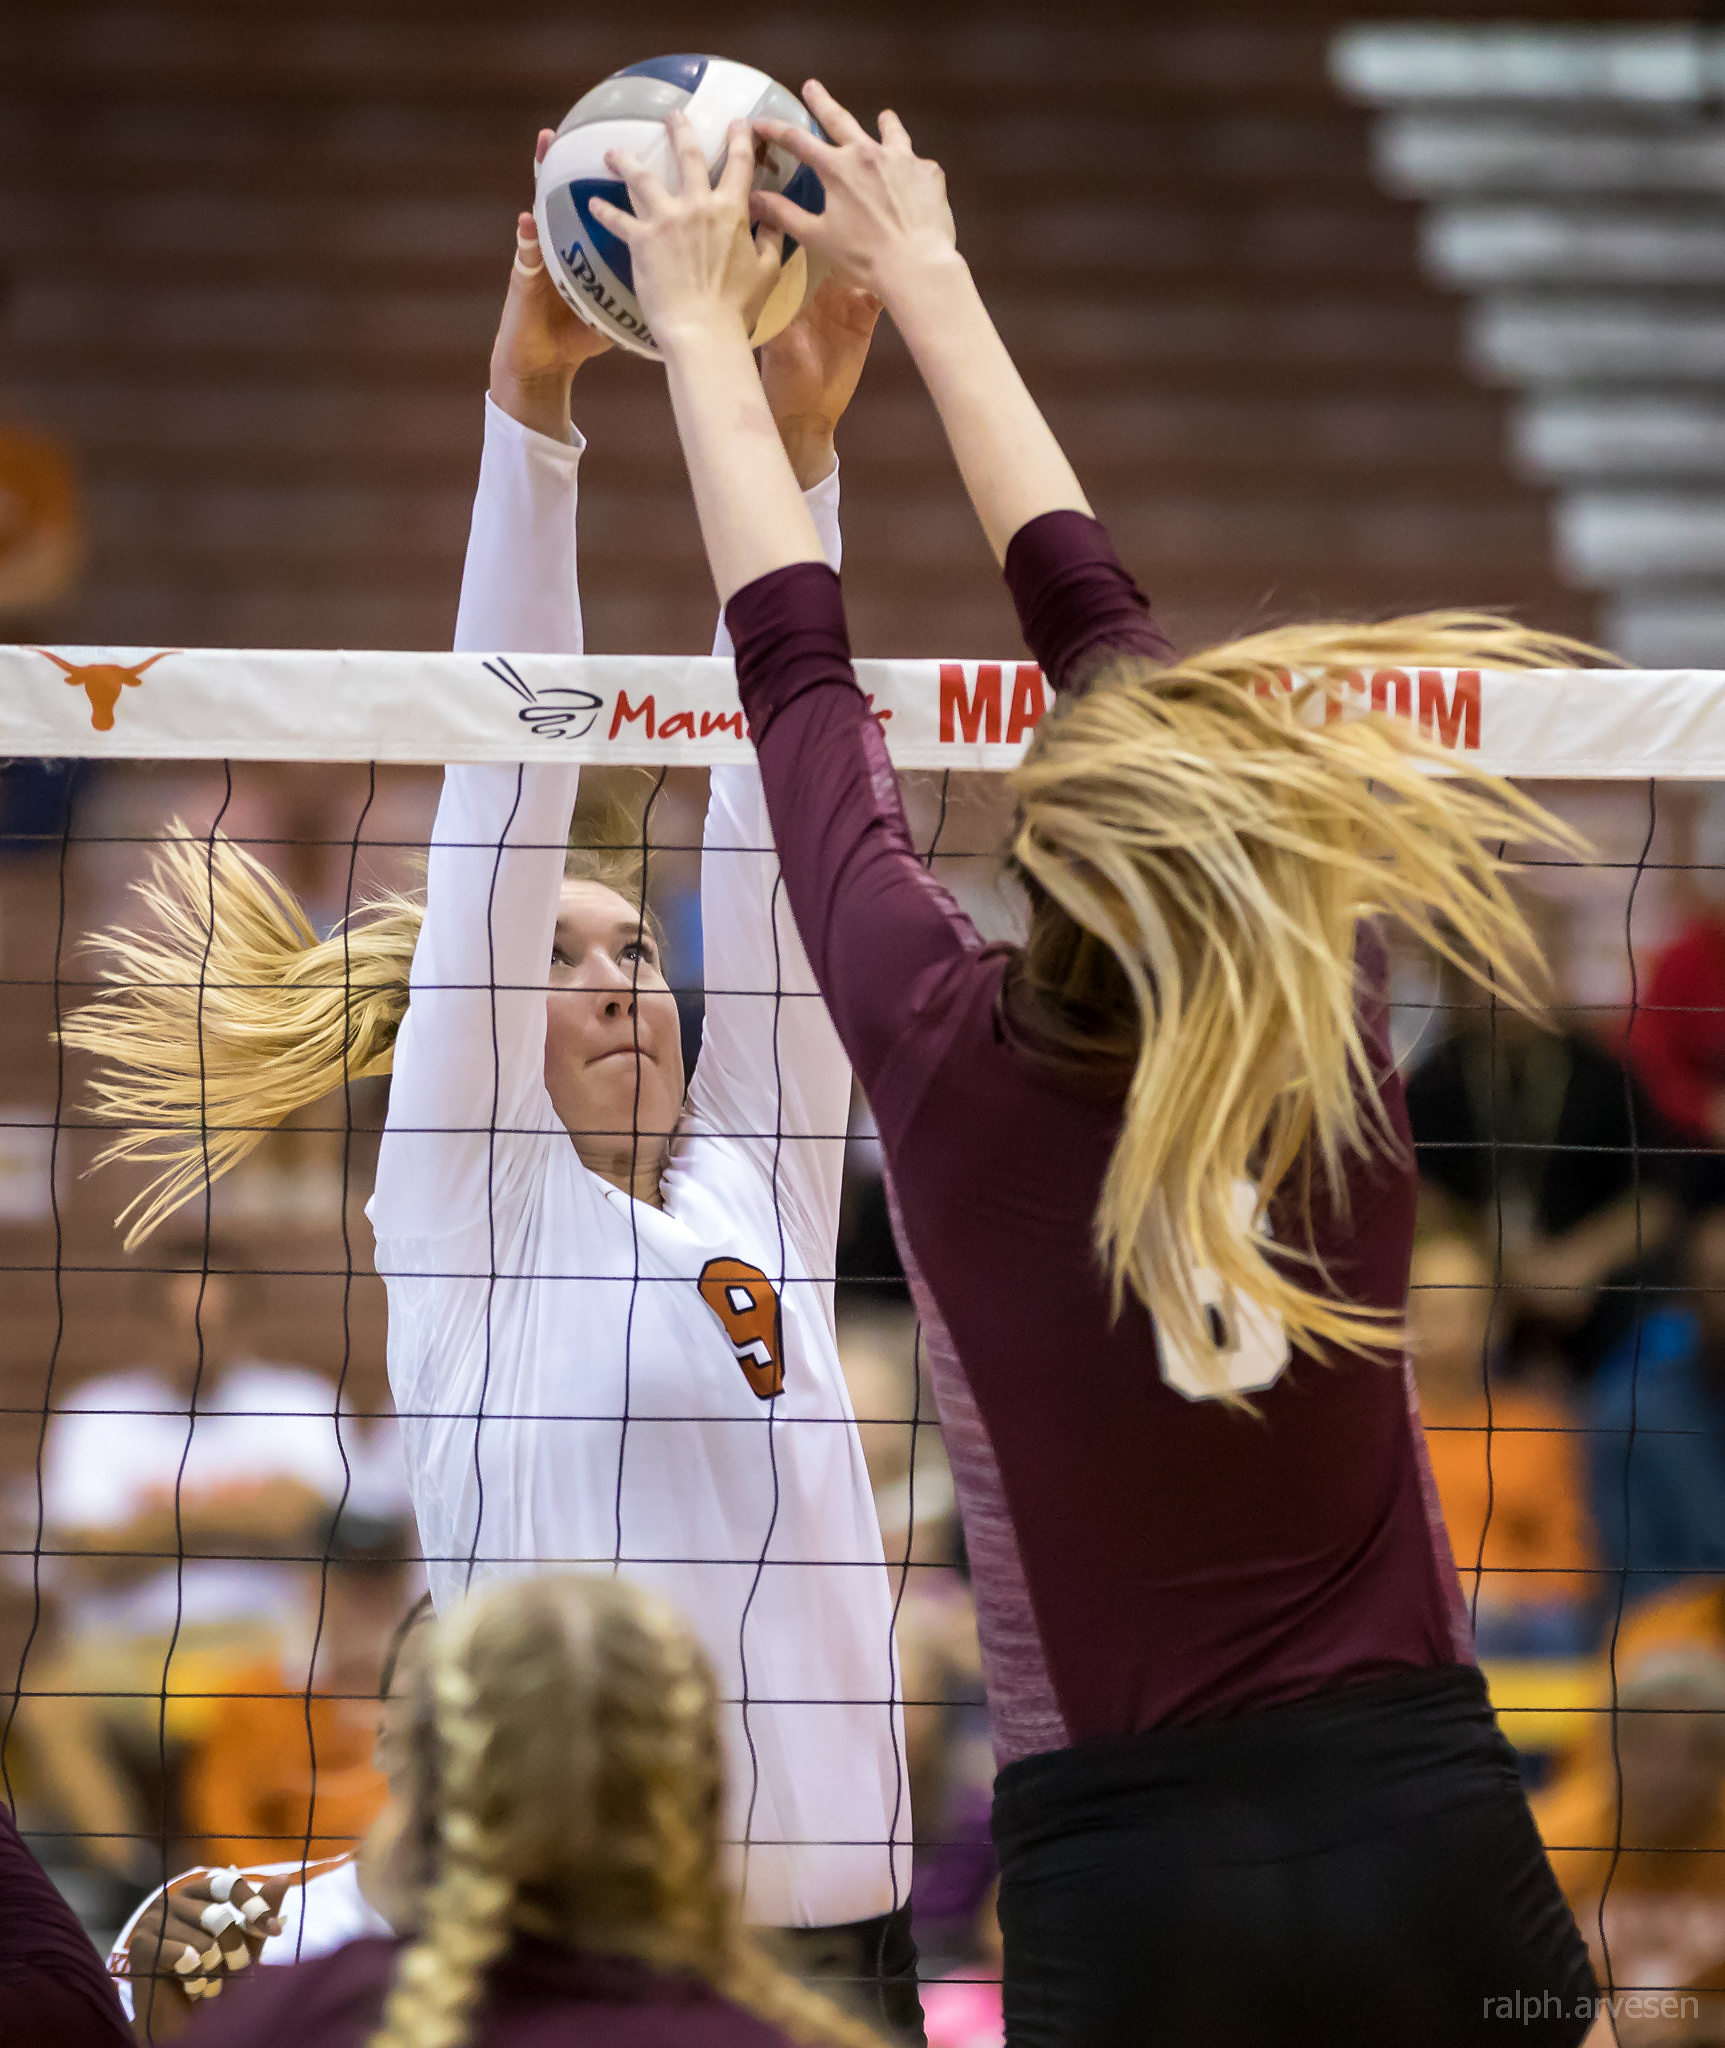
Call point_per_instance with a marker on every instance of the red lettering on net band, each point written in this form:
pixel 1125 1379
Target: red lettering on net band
pixel 1451 718
pixel 974 714
pixel 744 1300
pixel 626 714
pixel 1453 721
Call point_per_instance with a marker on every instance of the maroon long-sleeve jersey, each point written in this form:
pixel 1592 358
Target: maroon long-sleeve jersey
pixel 54 1992
pixel 539 1995
pixel 1141 1558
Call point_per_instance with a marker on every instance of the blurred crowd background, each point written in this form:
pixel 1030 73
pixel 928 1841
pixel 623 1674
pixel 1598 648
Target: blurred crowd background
pixel 1335 315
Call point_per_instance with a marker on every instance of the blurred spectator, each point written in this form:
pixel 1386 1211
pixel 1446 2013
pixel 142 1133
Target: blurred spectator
pixel 1657 1857
pixel 1658 1423
pixel 1509 1473
pixel 1532 1137
pixel 36 799
pixel 287 1762
pixel 1677 1041
pixel 896 1420
pixel 867 1253
pixel 175 1497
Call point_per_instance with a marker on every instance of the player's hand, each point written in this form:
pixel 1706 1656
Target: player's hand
pixel 193 1940
pixel 810 373
pixel 886 220
pixel 696 261
pixel 541 340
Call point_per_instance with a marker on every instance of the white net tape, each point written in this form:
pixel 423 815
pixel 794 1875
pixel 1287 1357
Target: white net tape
pixel 288 705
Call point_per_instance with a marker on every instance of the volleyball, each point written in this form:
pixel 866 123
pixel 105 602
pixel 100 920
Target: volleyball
pixel 591 266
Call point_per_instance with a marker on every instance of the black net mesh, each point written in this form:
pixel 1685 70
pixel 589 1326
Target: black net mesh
pixel 210 1539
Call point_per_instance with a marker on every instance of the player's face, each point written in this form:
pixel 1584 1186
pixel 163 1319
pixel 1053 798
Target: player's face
pixel 613 1046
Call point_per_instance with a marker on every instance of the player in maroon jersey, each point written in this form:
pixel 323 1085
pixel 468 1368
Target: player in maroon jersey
pixel 1252 1788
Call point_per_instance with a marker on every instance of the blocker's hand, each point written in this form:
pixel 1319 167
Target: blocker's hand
pixel 695 258
pixel 811 371
pixel 886 216
pixel 192 1940
pixel 541 341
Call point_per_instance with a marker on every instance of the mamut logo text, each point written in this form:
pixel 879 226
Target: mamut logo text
pixel 102 682
pixel 688 725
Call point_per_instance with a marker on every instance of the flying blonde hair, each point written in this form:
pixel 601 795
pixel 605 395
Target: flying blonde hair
pixel 566 1752
pixel 223 1012
pixel 1202 843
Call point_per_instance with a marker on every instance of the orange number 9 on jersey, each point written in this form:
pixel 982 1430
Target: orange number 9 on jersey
pixel 742 1298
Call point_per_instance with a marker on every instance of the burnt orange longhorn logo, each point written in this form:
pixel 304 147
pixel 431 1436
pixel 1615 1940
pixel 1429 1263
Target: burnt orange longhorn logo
pixel 102 682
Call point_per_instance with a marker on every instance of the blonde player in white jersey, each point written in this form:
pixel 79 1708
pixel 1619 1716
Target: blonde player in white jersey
pixel 611 1338
pixel 610 1305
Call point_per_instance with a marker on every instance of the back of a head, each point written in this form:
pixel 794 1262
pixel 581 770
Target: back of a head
pixel 567 1783
pixel 1202 842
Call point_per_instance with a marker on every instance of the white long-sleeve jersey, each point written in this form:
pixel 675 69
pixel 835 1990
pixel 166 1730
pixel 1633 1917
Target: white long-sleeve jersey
pixel 570 1392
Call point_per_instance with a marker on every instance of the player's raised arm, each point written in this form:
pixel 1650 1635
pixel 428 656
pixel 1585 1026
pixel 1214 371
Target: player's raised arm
pixel 858 890
pixel 470 1057
pixel 703 275
pixel 771 1063
pixel 887 226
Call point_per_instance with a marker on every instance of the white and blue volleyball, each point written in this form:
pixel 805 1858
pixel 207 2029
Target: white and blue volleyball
pixel 589 265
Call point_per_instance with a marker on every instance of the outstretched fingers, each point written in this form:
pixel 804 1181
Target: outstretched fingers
pixel 625 226
pixel 648 195
pixel 739 168
pixel 798 142
pixel 687 154
pixel 839 122
pixel 894 134
pixel 774 210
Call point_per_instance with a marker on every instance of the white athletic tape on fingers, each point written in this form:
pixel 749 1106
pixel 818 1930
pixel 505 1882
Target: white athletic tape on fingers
pixel 217 1919
pixel 530 269
pixel 213 1989
pixel 222 1884
pixel 238 1958
pixel 195 1988
pixel 189 1959
pixel 256 1908
pixel 211 1959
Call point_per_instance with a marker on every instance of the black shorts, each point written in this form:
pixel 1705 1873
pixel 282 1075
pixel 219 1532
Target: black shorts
pixel 1357 1868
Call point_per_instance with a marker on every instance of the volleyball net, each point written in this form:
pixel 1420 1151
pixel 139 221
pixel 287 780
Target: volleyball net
pixel 207 1535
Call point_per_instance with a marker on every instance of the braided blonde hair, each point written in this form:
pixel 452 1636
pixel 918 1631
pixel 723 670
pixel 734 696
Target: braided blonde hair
pixel 1202 841
pixel 223 1012
pixel 567 1746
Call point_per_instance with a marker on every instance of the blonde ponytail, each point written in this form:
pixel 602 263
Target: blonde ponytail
pixel 570 1757
pixel 230 1013
pixel 466 1913
pixel 1203 844
pixel 225 1012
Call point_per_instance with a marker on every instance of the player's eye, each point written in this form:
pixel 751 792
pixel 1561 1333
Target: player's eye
pixel 641 950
